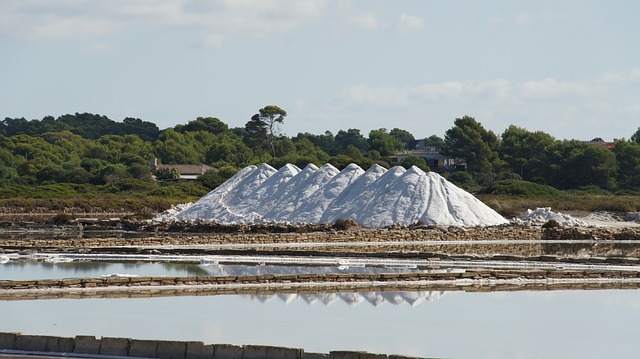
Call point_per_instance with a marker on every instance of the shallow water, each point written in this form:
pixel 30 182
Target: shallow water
pixel 30 269
pixel 558 324
pixel 23 270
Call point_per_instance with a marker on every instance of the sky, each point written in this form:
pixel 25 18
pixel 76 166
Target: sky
pixel 570 68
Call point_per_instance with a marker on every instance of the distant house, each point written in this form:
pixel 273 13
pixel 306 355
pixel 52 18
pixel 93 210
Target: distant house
pixel 433 157
pixel 602 143
pixel 187 172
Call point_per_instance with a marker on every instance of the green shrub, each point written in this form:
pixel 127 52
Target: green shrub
pixel 590 189
pixel 187 190
pixel 523 189
pixel 130 185
pixel 462 179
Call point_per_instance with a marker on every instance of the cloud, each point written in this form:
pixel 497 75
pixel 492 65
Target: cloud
pixel 409 23
pixel 602 106
pixel 213 22
pixel 36 19
pixel 371 21
pixel 367 21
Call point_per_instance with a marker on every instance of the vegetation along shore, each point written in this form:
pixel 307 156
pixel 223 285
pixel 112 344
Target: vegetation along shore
pixel 87 163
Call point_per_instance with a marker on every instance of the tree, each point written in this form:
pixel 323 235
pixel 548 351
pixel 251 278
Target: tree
pixel 576 164
pixel 419 162
pixel 175 147
pixel 326 141
pixel 434 141
pixel 381 141
pixel 166 173
pixel 468 139
pixel 628 164
pixel 230 149
pixel 146 130
pixel 351 137
pixel 636 136
pixel 525 151
pixel 266 124
pixel 405 137
pixel 209 124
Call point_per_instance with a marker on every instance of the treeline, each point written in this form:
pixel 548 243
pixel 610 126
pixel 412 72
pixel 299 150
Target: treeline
pixel 89 149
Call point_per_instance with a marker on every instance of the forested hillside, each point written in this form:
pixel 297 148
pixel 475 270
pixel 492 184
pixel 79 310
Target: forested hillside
pixel 82 154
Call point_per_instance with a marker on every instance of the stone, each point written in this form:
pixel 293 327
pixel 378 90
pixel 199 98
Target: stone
pixel 198 350
pixel 143 348
pixel 7 340
pixel 283 353
pixel 373 356
pixel 306 355
pixel 172 350
pixel 114 346
pixel 34 343
pixel 86 344
pixel 340 354
pixel 60 344
pixel 254 352
pixel 227 351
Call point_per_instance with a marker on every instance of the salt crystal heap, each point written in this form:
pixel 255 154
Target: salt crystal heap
pixel 375 198
pixel 540 216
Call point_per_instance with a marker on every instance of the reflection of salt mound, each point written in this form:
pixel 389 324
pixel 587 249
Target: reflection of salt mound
pixel 222 270
pixel 353 299
pixel 541 216
pixel 375 198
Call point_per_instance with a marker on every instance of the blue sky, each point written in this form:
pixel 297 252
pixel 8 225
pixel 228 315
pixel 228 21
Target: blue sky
pixel 569 68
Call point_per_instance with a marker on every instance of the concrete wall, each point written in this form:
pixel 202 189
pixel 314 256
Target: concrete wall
pixel 125 347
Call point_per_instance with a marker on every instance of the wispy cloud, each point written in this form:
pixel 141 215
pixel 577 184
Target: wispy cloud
pixel 408 22
pixel 371 21
pixel 590 106
pixel 215 19
pixel 215 22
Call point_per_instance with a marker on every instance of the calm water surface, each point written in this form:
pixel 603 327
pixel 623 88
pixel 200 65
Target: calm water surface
pixel 19 270
pixel 556 324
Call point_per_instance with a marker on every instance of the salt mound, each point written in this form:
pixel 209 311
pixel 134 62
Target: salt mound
pixel 541 216
pixel 375 198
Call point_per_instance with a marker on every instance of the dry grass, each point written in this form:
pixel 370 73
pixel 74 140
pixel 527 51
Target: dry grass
pixel 511 206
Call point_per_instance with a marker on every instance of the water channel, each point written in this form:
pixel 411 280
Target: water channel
pixel 557 324
pixel 519 324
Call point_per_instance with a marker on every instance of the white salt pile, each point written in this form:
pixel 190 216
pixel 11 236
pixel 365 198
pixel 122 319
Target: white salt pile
pixel 540 216
pixel 171 213
pixel 375 198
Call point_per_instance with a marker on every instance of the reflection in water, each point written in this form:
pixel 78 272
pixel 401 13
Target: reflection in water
pixel 593 249
pixel 559 324
pixel 29 269
pixel 244 269
pixel 21 270
pixel 352 299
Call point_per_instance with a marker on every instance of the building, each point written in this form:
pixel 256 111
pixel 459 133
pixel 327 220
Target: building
pixel 434 158
pixel 602 143
pixel 187 172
